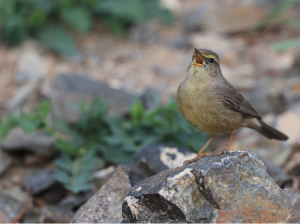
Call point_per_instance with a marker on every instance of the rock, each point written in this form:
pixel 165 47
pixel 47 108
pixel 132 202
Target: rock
pixel 74 201
pixel 232 187
pixel 266 98
pixel 74 89
pixel 40 182
pixel 181 42
pixel 143 33
pixel 100 177
pixel 32 216
pixel 106 204
pixel 148 99
pixel 37 142
pixel 56 214
pixel 16 193
pixel 278 174
pixel 289 123
pixel 223 17
pixel 5 161
pixel 31 65
pixel 153 159
pixel 21 96
pixel 9 208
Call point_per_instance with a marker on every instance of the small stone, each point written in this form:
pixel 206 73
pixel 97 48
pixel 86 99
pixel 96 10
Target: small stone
pixel 56 214
pixel 223 18
pixel 74 201
pixel 37 142
pixel 102 176
pixel 21 96
pixel 74 89
pixel 106 204
pixel 5 161
pixel 9 208
pixel 40 182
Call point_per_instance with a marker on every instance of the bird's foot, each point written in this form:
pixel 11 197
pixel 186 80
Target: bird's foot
pixel 199 156
pixel 220 152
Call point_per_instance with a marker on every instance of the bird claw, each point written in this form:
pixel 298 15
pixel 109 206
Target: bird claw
pixel 217 153
pixel 199 156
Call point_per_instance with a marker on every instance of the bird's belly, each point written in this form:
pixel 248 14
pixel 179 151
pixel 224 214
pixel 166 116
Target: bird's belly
pixel 212 118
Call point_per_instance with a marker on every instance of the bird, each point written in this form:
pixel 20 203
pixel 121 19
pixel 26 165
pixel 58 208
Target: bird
pixel 211 104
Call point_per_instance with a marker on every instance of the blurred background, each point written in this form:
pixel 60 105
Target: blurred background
pixel 85 84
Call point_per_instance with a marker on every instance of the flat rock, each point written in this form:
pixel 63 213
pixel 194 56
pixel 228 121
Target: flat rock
pixel 37 142
pixel 40 182
pixel 232 187
pixel 71 89
pixel 105 206
pixel 56 214
pixel 9 208
pixel 5 161
pixel 224 17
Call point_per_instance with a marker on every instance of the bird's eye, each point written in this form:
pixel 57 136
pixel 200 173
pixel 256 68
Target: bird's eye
pixel 211 60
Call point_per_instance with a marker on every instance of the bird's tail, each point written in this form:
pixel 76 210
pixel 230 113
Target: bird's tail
pixel 270 132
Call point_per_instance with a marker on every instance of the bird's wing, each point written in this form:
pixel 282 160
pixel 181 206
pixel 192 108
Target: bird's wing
pixel 232 99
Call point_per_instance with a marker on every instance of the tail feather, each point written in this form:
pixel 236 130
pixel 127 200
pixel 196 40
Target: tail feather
pixel 271 132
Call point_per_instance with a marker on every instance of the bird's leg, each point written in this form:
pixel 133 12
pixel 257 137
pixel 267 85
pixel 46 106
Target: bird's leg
pixel 226 149
pixel 200 153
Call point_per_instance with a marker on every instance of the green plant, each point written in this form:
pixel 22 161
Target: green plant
pixel 50 20
pixel 274 16
pixel 96 134
pixel 29 122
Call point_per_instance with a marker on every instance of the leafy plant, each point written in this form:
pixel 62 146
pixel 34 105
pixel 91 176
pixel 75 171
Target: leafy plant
pixel 116 139
pixel 50 20
pixel 75 174
pixel 29 122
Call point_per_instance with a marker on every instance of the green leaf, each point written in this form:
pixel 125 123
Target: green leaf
pixel 77 173
pixel 284 45
pixel 79 18
pixel 58 39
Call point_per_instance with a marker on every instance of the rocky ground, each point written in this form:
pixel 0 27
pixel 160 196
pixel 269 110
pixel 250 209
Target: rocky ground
pixel 156 56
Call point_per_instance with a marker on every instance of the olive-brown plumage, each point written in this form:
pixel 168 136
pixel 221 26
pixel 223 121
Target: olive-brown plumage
pixel 211 104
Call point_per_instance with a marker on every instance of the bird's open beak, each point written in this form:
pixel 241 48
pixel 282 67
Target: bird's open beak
pixel 198 59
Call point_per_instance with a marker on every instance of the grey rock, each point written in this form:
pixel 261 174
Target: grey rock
pixel 32 216
pixel 21 96
pixel 105 206
pixel 5 161
pixel 56 214
pixel 153 159
pixel 9 208
pixel 143 33
pixel 218 17
pixel 148 99
pixel 74 89
pixel 232 187
pixel 40 182
pixel 277 173
pixel 37 142
pixel 74 201
pixel 268 97
pixel 181 42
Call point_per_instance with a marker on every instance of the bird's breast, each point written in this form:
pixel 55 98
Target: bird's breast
pixel 201 108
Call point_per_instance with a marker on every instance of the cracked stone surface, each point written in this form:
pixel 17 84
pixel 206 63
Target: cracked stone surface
pixel 105 206
pixel 233 187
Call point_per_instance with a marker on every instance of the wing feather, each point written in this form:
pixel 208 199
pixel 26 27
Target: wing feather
pixel 232 99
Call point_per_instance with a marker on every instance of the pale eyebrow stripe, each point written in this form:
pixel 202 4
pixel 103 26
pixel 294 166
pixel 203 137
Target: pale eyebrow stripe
pixel 211 56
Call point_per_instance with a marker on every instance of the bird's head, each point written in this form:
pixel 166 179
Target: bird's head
pixel 204 62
